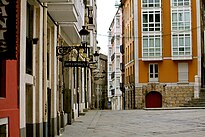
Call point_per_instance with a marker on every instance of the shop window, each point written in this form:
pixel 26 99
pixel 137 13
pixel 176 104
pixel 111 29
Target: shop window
pixel 3 127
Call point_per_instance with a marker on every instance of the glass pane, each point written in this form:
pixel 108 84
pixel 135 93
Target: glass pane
pixel 187 26
pixel 145 54
pixel 186 2
pixel 151 18
pixel 145 18
pixel 151 50
pixel 180 16
pixel 157 18
pixel 175 53
pixel 181 41
pixel 145 42
pixel 151 68
pixel 145 50
pixel 151 54
pixel 175 49
pixel 181 49
pixel 151 42
pixel 187 48
pixel 174 17
pixel 156 75
pixel 157 42
pixel 175 41
pixel 157 50
pixel 156 68
pixel 187 41
pixel 145 29
pixel 187 16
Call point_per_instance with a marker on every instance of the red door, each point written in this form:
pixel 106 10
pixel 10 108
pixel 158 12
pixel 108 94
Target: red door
pixel 153 100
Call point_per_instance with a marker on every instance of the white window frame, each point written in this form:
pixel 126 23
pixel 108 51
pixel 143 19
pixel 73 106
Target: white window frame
pixel 181 23
pixel 182 50
pixel 179 3
pixel 150 3
pixel 152 26
pixel 183 72
pixel 181 30
pixel 152 51
pixel 153 76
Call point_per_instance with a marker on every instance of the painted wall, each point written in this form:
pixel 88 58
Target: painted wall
pixel 9 106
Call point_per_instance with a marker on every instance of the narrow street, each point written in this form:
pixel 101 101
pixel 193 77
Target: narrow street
pixel 139 123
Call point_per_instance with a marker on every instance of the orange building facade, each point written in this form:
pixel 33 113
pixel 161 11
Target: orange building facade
pixel 163 52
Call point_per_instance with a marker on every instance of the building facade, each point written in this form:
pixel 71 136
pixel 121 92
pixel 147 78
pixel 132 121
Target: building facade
pixel 115 61
pixel 163 52
pixel 9 68
pixel 99 80
pixel 52 93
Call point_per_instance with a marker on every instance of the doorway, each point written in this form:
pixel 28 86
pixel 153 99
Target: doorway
pixel 153 100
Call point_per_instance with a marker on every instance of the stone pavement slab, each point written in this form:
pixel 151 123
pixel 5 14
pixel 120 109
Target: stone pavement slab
pixel 139 123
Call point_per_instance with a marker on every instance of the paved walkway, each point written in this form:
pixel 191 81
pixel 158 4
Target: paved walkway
pixel 139 123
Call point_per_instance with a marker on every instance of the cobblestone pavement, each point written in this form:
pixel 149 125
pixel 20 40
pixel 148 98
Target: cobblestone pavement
pixel 139 123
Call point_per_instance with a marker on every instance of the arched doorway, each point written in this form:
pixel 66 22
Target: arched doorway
pixel 153 100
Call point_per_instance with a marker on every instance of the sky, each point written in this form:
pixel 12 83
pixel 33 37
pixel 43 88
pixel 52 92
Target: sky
pixel 105 13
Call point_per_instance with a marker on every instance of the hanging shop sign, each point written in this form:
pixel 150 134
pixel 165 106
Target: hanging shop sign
pixel 9 21
pixel 75 63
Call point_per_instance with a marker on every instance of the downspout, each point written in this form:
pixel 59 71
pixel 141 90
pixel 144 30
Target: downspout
pixel 45 115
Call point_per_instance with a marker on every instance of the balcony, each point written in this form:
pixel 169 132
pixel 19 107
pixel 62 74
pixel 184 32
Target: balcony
pixel 113 57
pixel 69 14
pixel 113 75
pixel 121 49
pixel 122 67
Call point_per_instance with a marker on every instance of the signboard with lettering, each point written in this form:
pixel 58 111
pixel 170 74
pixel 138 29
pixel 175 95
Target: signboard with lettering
pixel 9 21
pixel 75 63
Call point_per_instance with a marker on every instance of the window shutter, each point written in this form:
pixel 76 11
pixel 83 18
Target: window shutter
pixel 183 72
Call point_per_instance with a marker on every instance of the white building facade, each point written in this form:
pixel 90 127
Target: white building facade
pixel 114 61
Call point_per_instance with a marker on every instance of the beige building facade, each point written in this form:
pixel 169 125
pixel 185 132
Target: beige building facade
pixel 52 94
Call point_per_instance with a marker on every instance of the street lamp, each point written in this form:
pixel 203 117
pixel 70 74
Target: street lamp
pixel 62 50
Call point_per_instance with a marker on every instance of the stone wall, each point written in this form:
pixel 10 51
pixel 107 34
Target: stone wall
pixel 172 95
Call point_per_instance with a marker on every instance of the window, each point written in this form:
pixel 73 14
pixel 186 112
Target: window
pixel 110 68
pixel 181 45
pixel 181 19
pixel 176 3
pixel 183 72
pixel 3 127
pixel 181 29
pixel 117 63
pixel 29 46
pixel 152 46
pixel 151 20
pixel 151 3
pixel 153 72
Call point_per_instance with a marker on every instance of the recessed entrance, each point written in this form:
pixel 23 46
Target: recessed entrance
pixel 153 100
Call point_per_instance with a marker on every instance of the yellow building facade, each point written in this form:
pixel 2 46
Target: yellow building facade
pixel 163 48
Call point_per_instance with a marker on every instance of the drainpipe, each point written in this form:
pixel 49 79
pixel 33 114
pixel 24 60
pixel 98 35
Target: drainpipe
pixel 45 115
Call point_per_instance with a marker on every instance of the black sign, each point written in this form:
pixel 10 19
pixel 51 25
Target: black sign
pixel 8 29
pixel 75 63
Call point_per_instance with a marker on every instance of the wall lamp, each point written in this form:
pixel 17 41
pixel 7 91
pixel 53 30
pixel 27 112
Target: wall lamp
pixel 64 50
